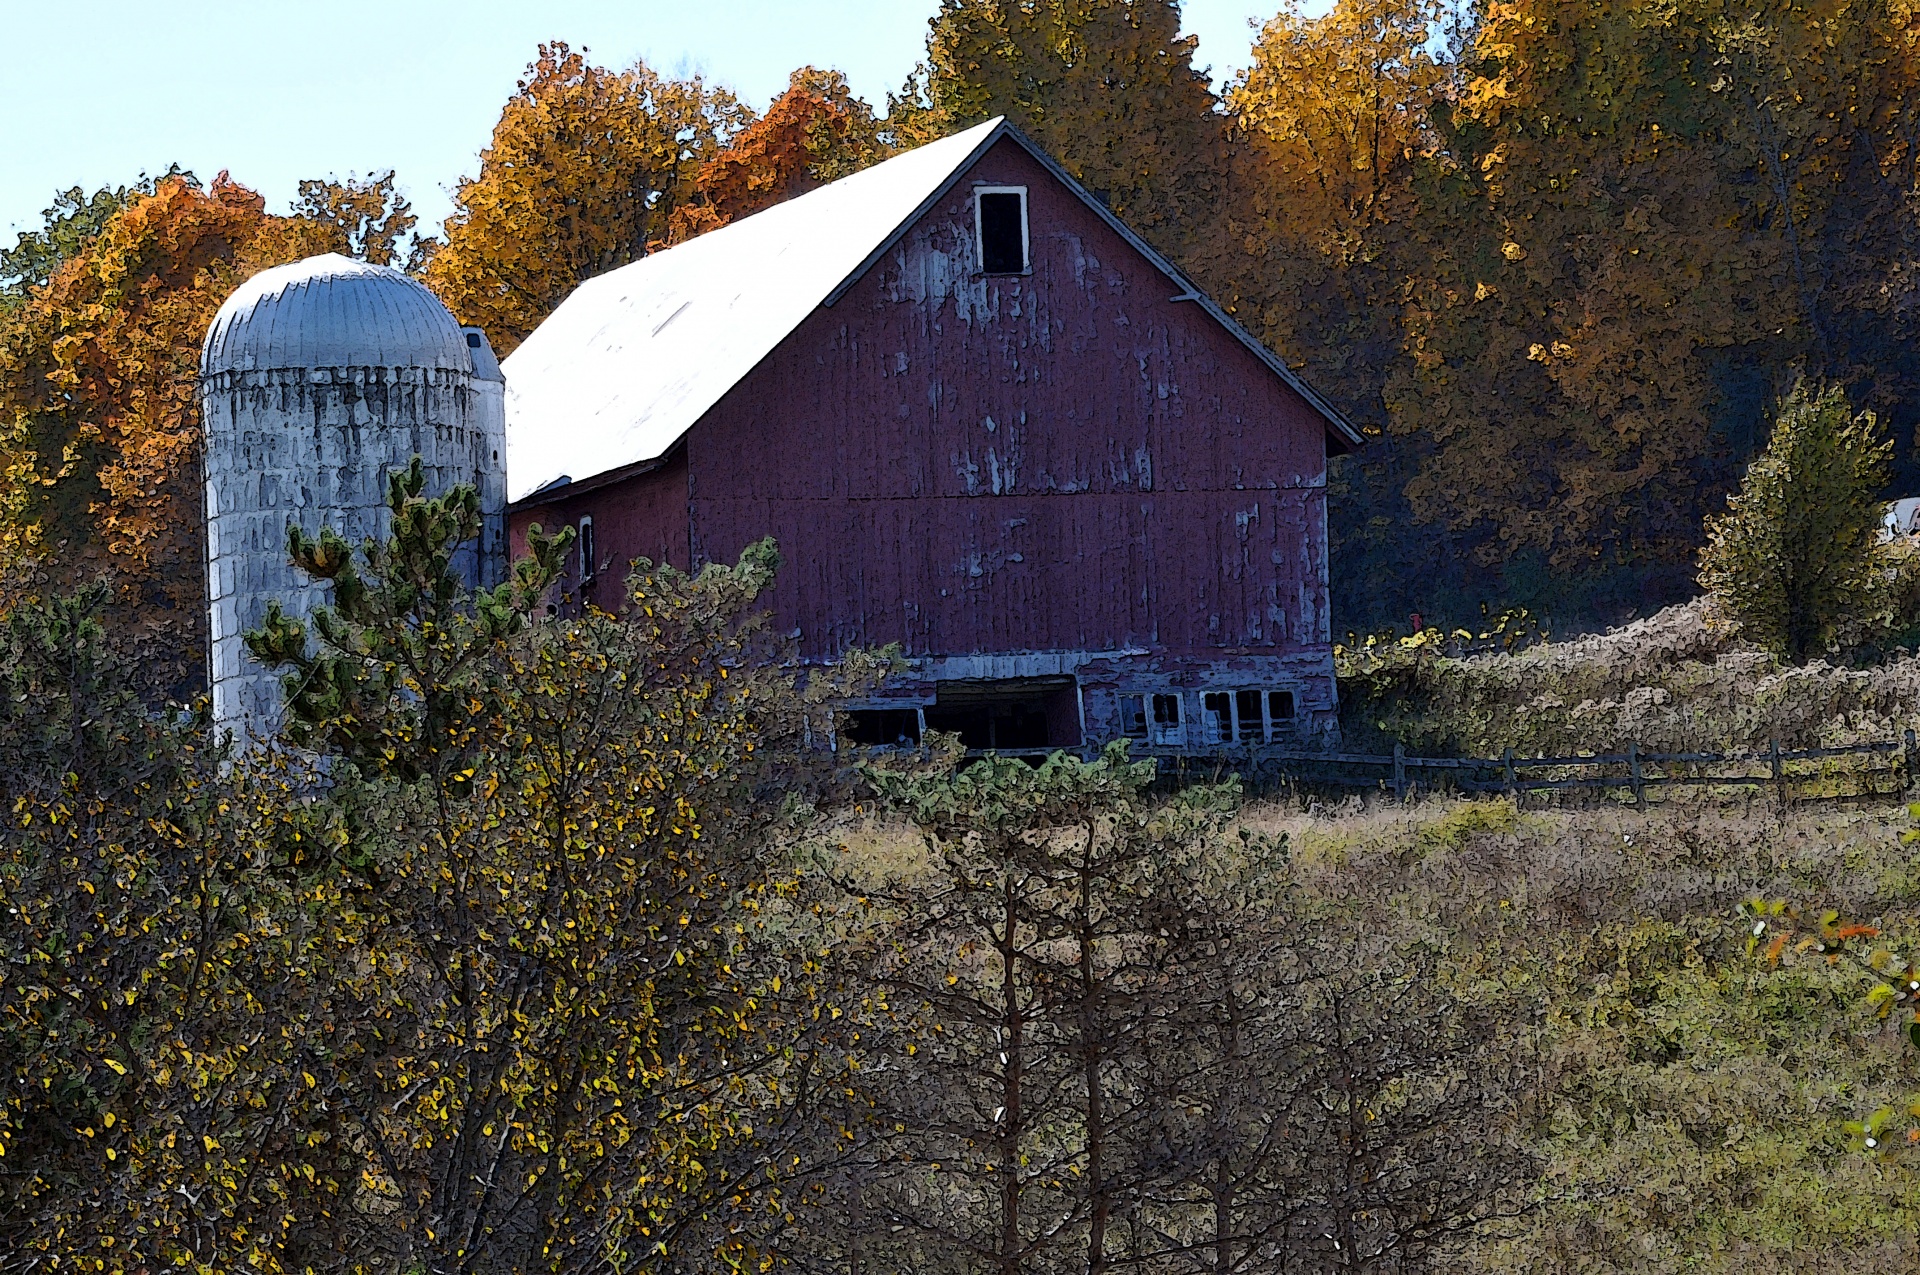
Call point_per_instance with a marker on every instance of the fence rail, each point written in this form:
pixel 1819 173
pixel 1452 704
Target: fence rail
pixel 1635 772
pixel 1791 773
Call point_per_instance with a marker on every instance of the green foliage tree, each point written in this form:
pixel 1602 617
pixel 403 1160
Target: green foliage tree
pixel 498 973
pixel 1796 558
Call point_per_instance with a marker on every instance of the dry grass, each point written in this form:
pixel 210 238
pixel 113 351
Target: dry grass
pixel 1688 1100
pixel 1670 683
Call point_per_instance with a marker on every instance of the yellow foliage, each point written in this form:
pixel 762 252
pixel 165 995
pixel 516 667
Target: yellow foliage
pixel 586 168
pixel 99 431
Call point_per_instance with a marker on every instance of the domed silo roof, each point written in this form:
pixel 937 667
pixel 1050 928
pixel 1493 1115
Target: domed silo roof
pixel 333 311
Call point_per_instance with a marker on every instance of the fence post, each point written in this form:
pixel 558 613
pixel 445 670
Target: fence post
pixel 1399 772
pixel 1512 790
pixel 1779 776
pixel 1639 783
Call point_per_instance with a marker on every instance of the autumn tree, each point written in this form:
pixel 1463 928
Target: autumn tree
pixel 815 132
pixel 1334 124
pixel 585 168
pixel 99 429
pixel 1797 556
pixel 1605 274
pixel 367 218
pixel 66 229
pixel 1108 87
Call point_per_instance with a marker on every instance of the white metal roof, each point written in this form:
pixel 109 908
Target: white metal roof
pixel 332 311
pixel 633 359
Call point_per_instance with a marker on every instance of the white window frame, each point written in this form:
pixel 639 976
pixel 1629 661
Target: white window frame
pixel 980 235
pixel 1167 734
pixel 1279 728
pixel 589 550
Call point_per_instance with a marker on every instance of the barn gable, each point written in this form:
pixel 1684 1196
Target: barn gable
pixel 619 373
pixel 983 421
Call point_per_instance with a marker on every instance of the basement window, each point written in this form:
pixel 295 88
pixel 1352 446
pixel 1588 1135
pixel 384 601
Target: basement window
pixel 884 727
pixel 1000 223
pixel 1249 726
pixel 1248 717
pixel 1216 712
pixel 1169 727
pixel 1133 716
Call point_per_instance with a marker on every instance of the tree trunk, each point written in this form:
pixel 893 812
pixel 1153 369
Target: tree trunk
pixel 1090 1041
pixel 1012 1023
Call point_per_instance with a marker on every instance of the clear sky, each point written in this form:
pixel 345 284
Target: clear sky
pixel 95 93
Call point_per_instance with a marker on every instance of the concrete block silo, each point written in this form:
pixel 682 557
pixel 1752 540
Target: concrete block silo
pixel 317 380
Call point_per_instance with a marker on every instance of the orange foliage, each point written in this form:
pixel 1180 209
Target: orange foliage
pixel 99 430
pixel 585 169
pixel 813 133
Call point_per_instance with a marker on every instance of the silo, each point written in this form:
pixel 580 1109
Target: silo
pixel 317 380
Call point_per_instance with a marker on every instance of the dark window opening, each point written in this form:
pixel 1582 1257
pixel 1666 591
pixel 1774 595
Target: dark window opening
pixel 884 727
pixel 1246 707
pixel 1168 724
pixel 1133 716
pixel 589 558
pixel 1015 714
pixel 1003 232
pixel 1280 706
pixel 473 340
pixel 1216 710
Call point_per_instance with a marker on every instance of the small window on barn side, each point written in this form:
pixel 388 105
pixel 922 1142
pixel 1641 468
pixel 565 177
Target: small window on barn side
pixel 1133 716
pixel 1169 727
pixel 1000 222
pixel 1280 710
pixel 884 727
pixel 1251 726
pixel 588 556
pixel 1216 712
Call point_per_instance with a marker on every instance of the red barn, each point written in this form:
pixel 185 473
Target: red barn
pixel 982 419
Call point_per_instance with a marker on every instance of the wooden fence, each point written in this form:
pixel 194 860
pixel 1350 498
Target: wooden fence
pixel 1886 769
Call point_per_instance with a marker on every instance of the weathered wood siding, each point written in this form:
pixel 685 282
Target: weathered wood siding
pixel 1073 461
pixel 641 516
pixel 1068 460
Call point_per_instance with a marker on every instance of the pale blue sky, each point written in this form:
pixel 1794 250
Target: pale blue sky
pixel 95 92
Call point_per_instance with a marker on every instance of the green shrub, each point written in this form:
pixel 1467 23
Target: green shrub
pixel 1796 561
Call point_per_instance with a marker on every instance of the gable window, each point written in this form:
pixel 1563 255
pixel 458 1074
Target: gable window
pixel 1000 224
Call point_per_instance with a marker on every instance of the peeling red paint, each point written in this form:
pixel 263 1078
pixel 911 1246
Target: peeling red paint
pixel 1071 464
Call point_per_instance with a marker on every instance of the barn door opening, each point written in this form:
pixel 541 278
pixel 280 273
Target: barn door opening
pixel 1010 714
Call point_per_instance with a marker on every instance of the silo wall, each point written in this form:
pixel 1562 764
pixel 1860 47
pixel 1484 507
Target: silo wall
pixel 315 447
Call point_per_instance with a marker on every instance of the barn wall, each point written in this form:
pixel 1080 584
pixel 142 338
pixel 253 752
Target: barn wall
pixel 1065 461
pixel 642 516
